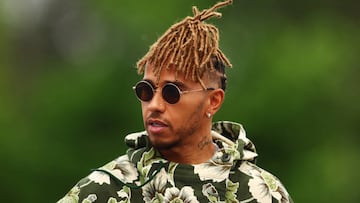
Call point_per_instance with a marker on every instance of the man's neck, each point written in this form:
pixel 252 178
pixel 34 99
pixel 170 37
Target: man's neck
pixel 191 153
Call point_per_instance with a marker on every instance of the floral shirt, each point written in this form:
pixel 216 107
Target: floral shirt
pixel 142 175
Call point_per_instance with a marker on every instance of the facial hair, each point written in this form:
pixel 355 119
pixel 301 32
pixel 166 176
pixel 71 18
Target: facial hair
pixel 183 131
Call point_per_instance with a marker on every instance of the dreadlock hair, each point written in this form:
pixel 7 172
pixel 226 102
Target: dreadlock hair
pixel 191 47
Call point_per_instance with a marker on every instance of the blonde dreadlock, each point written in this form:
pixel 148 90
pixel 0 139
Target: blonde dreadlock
pixel 189 45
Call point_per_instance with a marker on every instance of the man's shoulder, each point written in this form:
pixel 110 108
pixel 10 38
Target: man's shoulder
pixel 261 184
pixel 103 183
pixel 254 181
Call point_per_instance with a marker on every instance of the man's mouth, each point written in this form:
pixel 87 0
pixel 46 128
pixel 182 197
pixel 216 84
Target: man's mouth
pixel 156 126
pixel 156 123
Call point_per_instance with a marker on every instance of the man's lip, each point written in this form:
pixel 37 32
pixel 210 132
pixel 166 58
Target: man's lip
pixel 156 122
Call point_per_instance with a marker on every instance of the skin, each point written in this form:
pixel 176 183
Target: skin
pixel 181 132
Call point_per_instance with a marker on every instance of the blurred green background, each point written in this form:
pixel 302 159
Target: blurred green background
pixel 67 68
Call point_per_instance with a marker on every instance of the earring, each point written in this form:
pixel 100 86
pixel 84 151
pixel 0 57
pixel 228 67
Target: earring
pixel 208 115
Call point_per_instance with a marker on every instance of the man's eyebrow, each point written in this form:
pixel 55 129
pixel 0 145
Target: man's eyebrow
pixel 178 83
pixel 149 81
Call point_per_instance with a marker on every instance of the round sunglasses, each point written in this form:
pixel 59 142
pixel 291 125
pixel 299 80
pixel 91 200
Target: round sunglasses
pixel 170 92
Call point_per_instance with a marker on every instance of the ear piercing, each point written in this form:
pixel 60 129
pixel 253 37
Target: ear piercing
pixel 208 115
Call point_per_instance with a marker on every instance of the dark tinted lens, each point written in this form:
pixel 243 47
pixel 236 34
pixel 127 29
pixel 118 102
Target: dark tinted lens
pixel 144 91
pixel 171 93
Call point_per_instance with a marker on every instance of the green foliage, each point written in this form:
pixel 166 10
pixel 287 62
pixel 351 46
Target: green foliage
pixel 66 101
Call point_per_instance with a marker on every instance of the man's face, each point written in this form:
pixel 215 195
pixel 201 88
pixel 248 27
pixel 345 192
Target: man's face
pixel 174 125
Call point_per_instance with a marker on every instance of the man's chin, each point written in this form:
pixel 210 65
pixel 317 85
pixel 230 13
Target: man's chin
pixel 161 144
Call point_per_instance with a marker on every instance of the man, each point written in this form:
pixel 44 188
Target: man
pixel 182 156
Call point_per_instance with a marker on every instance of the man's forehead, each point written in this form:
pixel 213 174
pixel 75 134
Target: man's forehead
pixel 167 74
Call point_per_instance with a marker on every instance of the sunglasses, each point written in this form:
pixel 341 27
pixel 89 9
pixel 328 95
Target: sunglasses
pixel 170 92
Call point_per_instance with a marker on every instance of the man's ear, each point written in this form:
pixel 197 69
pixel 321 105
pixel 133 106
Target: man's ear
pixel 216 97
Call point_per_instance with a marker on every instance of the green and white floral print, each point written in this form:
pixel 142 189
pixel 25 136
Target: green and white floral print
pixel 155 189
pixel 143 175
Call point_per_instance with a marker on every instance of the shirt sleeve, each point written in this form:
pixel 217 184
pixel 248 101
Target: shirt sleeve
pixel 97 187
pixel 263 186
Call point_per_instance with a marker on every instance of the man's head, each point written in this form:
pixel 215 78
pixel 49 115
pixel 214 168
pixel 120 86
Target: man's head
pixel 190 47
pixel 183 85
